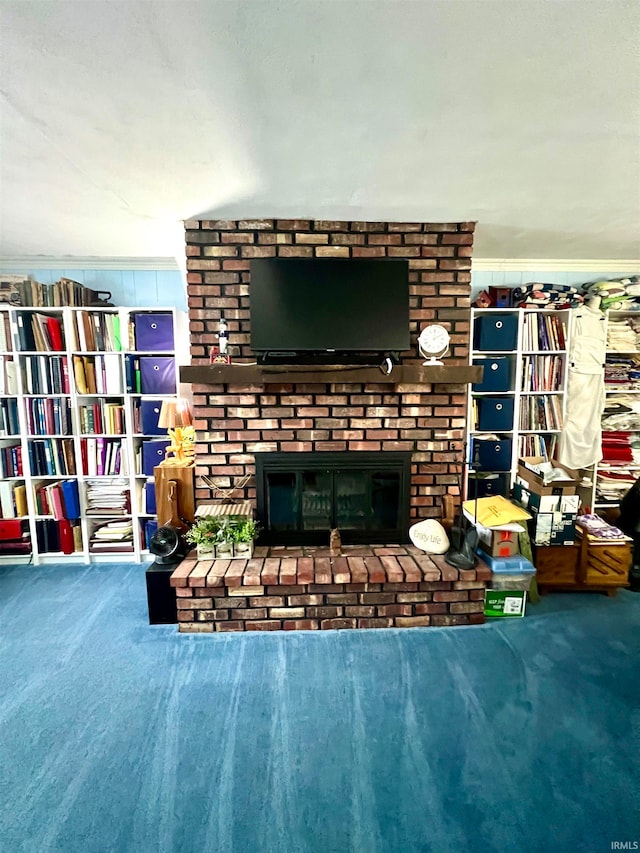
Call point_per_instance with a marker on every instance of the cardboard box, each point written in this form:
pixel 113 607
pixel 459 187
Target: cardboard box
pixel 502 602
pixel 554 516
pixel 499 543
pixel 535 503
pixel 533 482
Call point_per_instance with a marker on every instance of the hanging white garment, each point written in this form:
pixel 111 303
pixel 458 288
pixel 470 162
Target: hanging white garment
pixel 581 438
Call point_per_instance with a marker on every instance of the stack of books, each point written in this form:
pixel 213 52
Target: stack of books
pixel 108 496
pixel 112 536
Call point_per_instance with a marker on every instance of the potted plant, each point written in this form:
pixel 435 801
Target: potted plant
pixel 224 538
pixel 204 535
pixel 245 533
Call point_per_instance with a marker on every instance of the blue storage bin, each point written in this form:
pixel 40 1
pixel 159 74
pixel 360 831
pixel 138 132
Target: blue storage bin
pixel 485 487
pixel 496 332
pixel 491 454
pixel 516 565
pixel 496 375
pixel 495 413
pixel 515 573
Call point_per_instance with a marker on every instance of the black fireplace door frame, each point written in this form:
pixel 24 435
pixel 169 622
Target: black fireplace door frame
pixel 333 464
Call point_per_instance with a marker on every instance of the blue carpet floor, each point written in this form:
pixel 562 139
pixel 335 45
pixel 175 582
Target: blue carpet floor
pixel 521 734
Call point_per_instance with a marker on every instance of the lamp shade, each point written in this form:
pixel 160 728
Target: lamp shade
pixel 175 413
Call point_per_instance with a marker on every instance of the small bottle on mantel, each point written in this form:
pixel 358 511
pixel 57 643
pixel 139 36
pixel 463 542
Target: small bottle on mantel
pixel 223 336
pixel 335 543
pixel 219 354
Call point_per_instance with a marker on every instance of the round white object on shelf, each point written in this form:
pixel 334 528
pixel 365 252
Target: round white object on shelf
pixel 430 536
pixel 433 343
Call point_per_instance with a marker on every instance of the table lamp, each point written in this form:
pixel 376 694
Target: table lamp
pixel 176 418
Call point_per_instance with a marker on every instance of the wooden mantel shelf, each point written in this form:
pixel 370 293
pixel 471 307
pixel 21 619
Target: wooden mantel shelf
pixel 409 374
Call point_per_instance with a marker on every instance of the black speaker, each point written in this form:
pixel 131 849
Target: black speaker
pixel 161 596
pixel 169 546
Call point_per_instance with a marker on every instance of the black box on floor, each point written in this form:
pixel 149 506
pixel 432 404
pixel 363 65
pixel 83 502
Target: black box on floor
pixel 161 596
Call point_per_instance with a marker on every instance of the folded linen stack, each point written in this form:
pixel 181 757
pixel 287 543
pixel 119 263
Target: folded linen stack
pixel 597 528
pixel 621 446
pixel 623 335
pixel 613 484
pixel 618 294
pixel 538 294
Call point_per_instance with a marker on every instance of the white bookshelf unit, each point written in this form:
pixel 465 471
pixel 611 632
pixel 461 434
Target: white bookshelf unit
pixel 79 391
pixel 517 409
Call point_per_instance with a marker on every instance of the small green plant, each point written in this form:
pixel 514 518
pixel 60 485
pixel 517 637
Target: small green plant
pixel 220 532
pixel 247 530
pixel 204 532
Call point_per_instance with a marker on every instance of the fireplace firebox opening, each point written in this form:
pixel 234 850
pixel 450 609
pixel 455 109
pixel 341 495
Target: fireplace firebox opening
pixel 302 496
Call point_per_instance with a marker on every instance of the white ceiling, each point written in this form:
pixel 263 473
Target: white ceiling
pixel 121 119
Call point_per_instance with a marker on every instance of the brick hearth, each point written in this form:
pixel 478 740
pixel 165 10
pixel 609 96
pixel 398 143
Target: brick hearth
pixel 307 589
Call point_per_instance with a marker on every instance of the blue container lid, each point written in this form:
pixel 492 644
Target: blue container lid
pixel 516 565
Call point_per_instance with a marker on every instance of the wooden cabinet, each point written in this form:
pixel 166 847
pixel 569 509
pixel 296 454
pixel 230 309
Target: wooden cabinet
pixel 587 565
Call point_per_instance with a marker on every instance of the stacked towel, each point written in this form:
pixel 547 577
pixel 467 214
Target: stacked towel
pixel 623 335
pixel 622 371
pixel 612 484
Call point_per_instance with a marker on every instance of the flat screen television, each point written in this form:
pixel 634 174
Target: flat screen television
pixel 329 309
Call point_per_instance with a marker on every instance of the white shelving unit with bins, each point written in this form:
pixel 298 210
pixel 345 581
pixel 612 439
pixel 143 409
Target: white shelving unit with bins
pixel 517 408
pixel 79 388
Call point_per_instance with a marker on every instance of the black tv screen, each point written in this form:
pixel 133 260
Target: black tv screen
pixel 326 305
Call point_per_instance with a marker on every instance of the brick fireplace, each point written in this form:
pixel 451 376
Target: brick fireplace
pixel 237 418
pixel 234 421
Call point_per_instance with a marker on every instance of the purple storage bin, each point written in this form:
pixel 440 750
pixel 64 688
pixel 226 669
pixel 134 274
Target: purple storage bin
pixel 157 375
pixel 152 454
pixel 153 332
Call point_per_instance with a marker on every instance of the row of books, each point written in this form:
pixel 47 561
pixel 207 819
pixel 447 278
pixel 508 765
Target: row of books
pixel 58 536
pixel 96 331
pixel 542 373
pixel 9 423
pixel 65 291
pixel 11 460
pixel 13 499
pixel 39 332
pixel 103 456
pixel 537 445
pixel 540 413
pixel 60 500
pixel 51 457
pixel 102 416
pixel 43 374
pixel 99 374
pixel 47 415
pixel 543 332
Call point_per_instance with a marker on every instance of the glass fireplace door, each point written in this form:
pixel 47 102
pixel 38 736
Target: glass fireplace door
pixel 302 496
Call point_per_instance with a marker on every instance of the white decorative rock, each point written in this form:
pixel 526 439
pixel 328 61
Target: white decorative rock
pixel 430 536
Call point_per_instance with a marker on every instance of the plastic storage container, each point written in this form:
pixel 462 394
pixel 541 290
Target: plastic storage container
pixel 509 572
